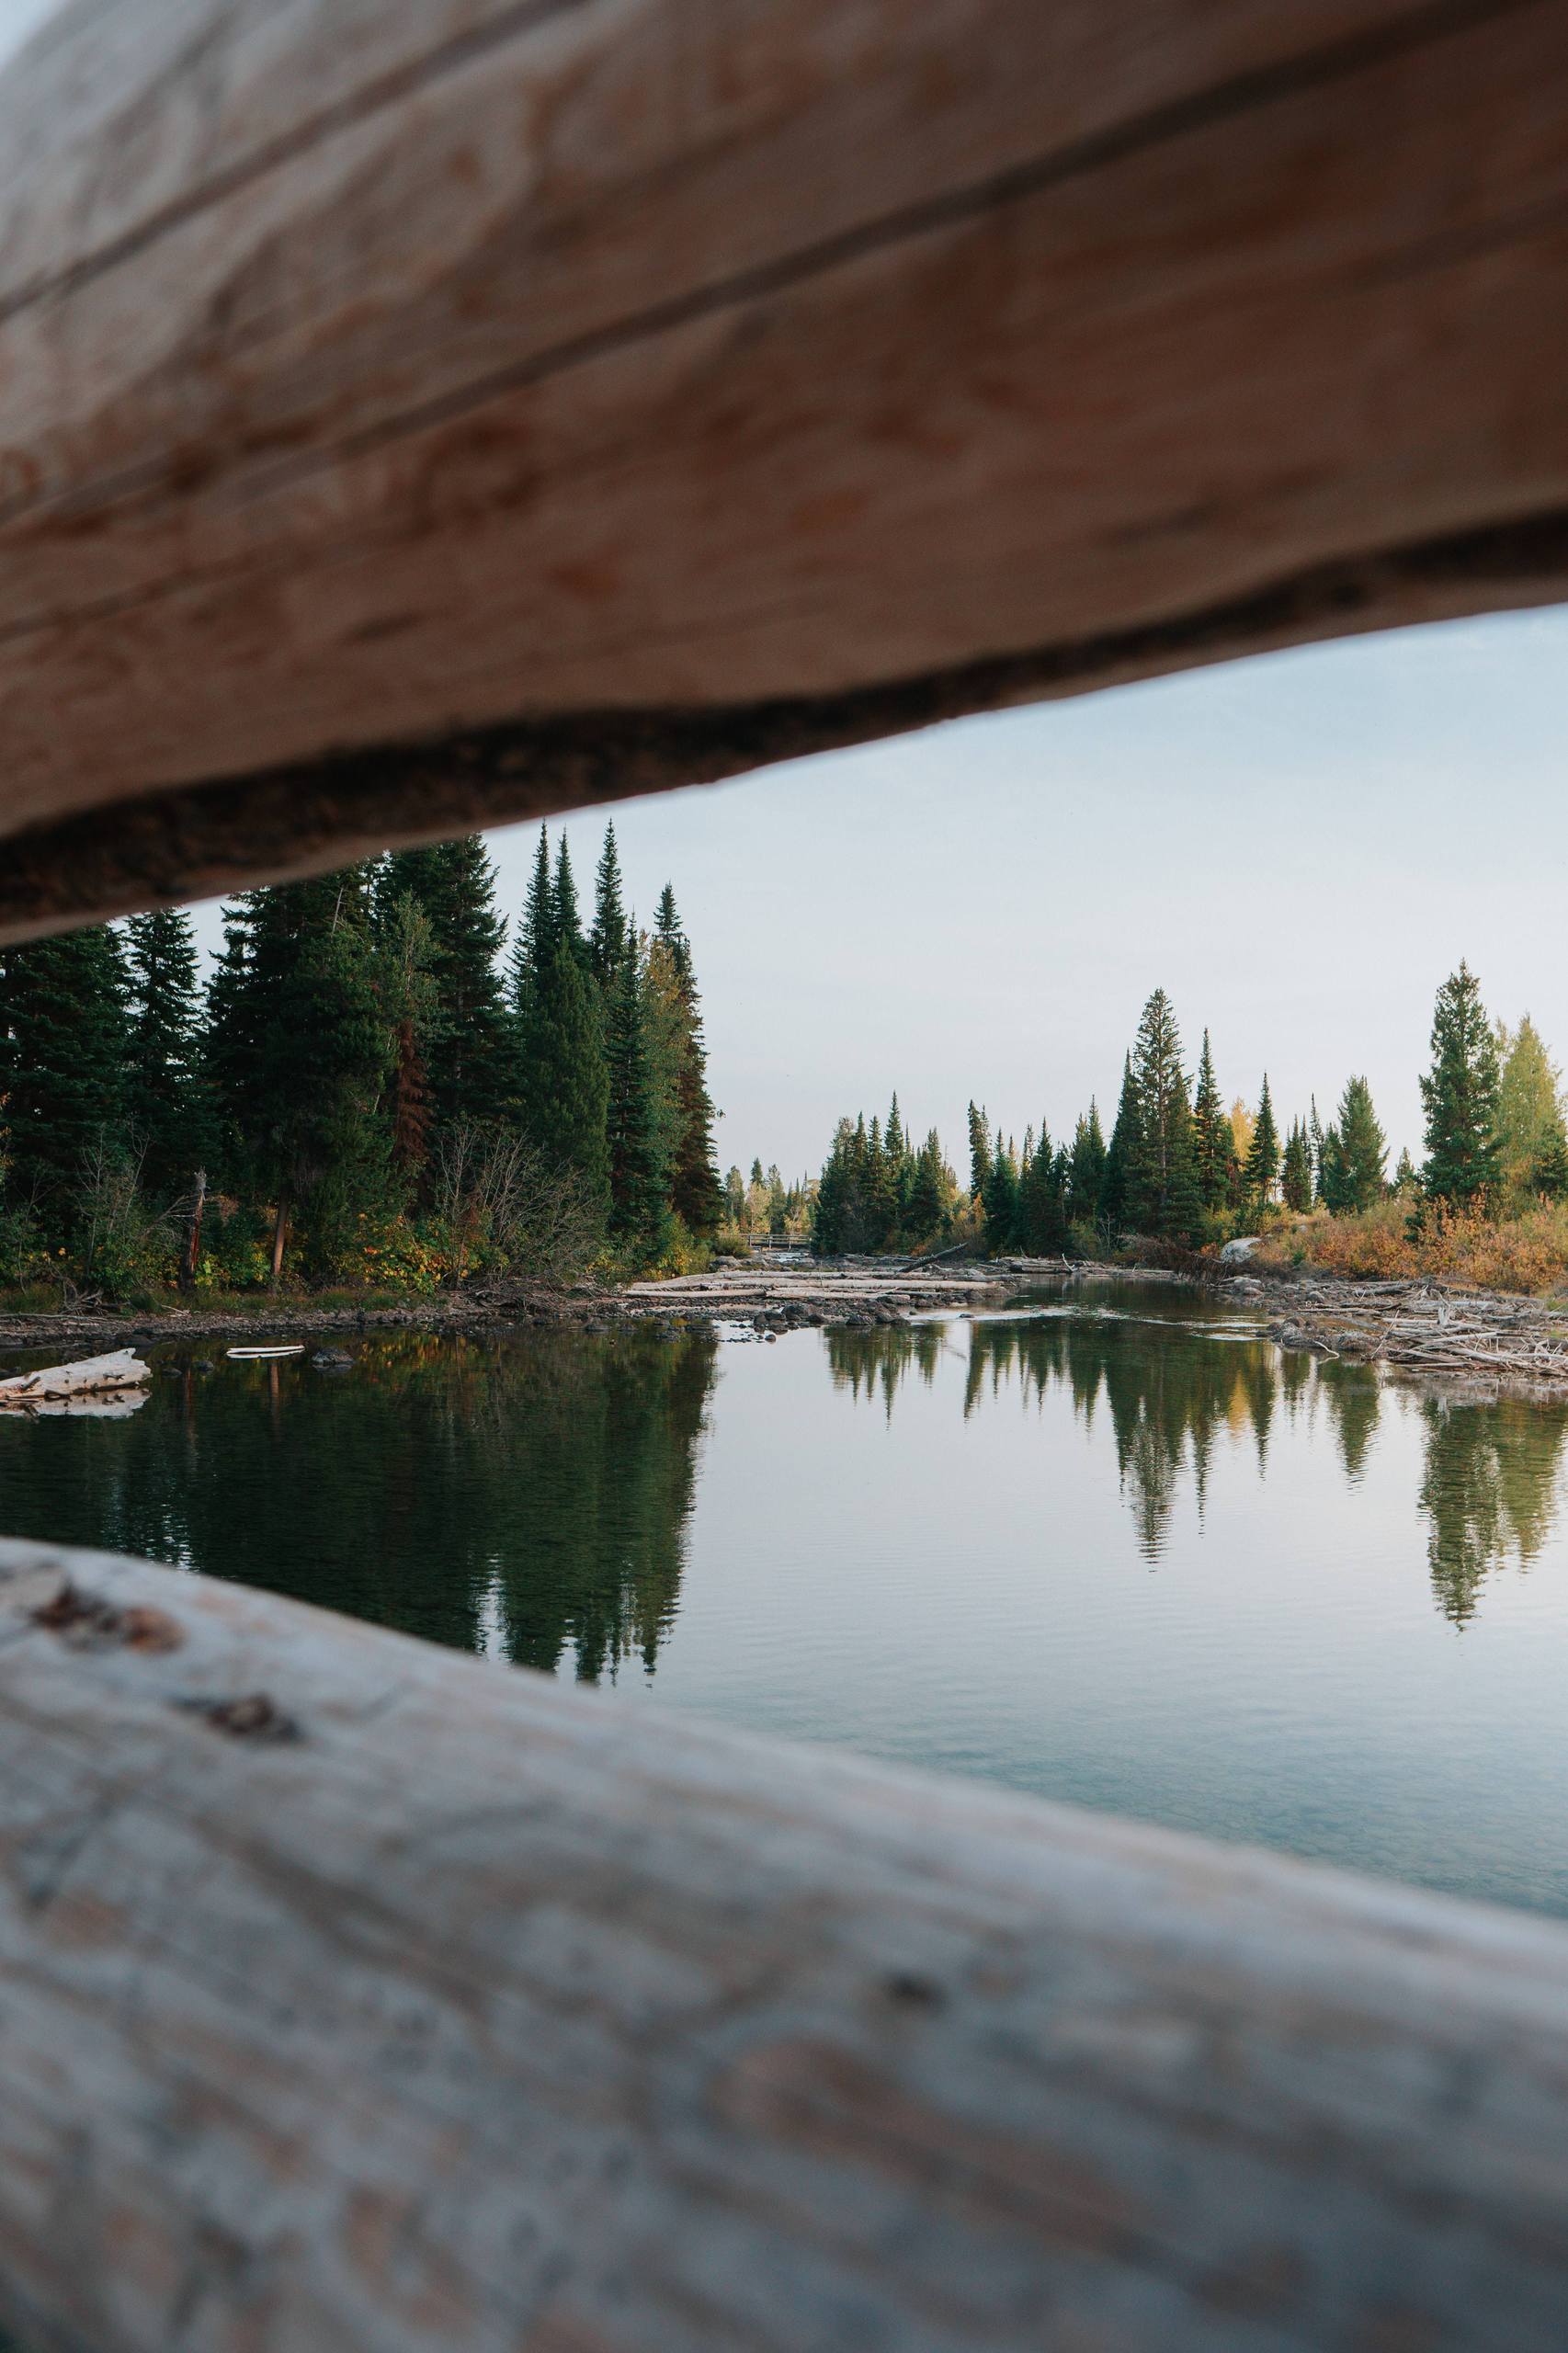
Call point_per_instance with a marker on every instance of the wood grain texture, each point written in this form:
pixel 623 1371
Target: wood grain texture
pixel 356 1996
pixel 417 412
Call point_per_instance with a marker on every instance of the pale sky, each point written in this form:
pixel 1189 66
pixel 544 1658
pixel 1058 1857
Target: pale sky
pixel 1299 848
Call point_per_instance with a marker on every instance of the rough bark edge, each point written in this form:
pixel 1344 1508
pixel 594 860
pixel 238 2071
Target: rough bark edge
pixel 192 841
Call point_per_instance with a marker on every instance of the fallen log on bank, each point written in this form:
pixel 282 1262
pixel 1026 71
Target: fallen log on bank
pixel 363 1997
pixel 89 1377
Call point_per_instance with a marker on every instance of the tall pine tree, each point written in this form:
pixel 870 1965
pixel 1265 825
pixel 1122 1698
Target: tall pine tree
pixel 1460 1097
pixel 978 1154
pixel 298 1058
pixel 1296 1168
pixel 563 1077
pixel 1261 1171
pixel 1121 1157
pixel 1212 1142
pixel 63 1068
pixel 611 933
pixel 1163 1195
pixel 695 1194
pixel 1086 1168
pixel 1362 1149
pixel 468 1032
pixel 637 1170
pixel 164 1092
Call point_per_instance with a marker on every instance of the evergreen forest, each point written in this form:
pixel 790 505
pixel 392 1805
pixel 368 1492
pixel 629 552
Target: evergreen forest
pixel 1182 1167
pixel 374 1086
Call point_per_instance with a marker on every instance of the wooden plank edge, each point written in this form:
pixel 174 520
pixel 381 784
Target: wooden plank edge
pixel 193 841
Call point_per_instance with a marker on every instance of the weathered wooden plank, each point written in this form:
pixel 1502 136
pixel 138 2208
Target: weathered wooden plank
pixel 532 403
pixel 354 1995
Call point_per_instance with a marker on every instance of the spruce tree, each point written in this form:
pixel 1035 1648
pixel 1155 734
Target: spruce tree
pixel 567 924
pixel 1001 1203
pixel 1123 1155
pixel 1333 1182
pixel 163 1077
pixel 1212 1143
pixel 978 1154
pixel 1296 1169
pixel 469 1035
pixel 927 1204
pixel 412 1007
pixel 827 1208
pixel 63 1068
pixel 563 1078
pixel 1460 1095
pixel 239 1012
pixel 1262 1168
pixel 298 1057
pixel 608 939
pixel 637 1186
pixel 1363 1148
pixel 694 1172
pixel 533 950
pixel 1162 1192
pixel 1043 1198
pixel 1086 1168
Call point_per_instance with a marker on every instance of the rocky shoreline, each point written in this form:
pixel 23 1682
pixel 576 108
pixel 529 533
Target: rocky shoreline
pixel 1417 1329
pixel 1477 1341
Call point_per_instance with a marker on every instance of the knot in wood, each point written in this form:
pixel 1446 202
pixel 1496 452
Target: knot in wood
pixel 254 1716
pixel 87 1622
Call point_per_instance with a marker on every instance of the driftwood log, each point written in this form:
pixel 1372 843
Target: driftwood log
pixel 357 1996
pixel 418 412
pixel 1421 1326
pixel 64 1383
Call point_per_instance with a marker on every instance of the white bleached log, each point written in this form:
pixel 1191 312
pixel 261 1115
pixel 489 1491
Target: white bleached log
pixel 88 1377
pixel 356 1996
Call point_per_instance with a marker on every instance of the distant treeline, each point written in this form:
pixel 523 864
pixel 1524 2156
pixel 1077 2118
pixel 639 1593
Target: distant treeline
pixel 1182 1166
pixel 363 1088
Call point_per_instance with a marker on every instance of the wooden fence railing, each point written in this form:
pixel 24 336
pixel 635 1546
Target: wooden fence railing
pixel 416 413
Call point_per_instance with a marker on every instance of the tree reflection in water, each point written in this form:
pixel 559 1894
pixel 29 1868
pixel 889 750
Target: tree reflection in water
pixel 1489 1493
pixel 1492 1476
pixel 530 1494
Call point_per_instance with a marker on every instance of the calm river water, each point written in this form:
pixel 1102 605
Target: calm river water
pixel 1112 1549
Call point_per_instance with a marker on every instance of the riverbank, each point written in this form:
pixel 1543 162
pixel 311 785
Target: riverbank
pixel 856 1292
pixel 1471 1337
pixel 1416 1327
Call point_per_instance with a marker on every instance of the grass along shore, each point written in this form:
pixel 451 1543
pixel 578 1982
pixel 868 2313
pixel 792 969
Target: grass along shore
pixel 1525 1254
